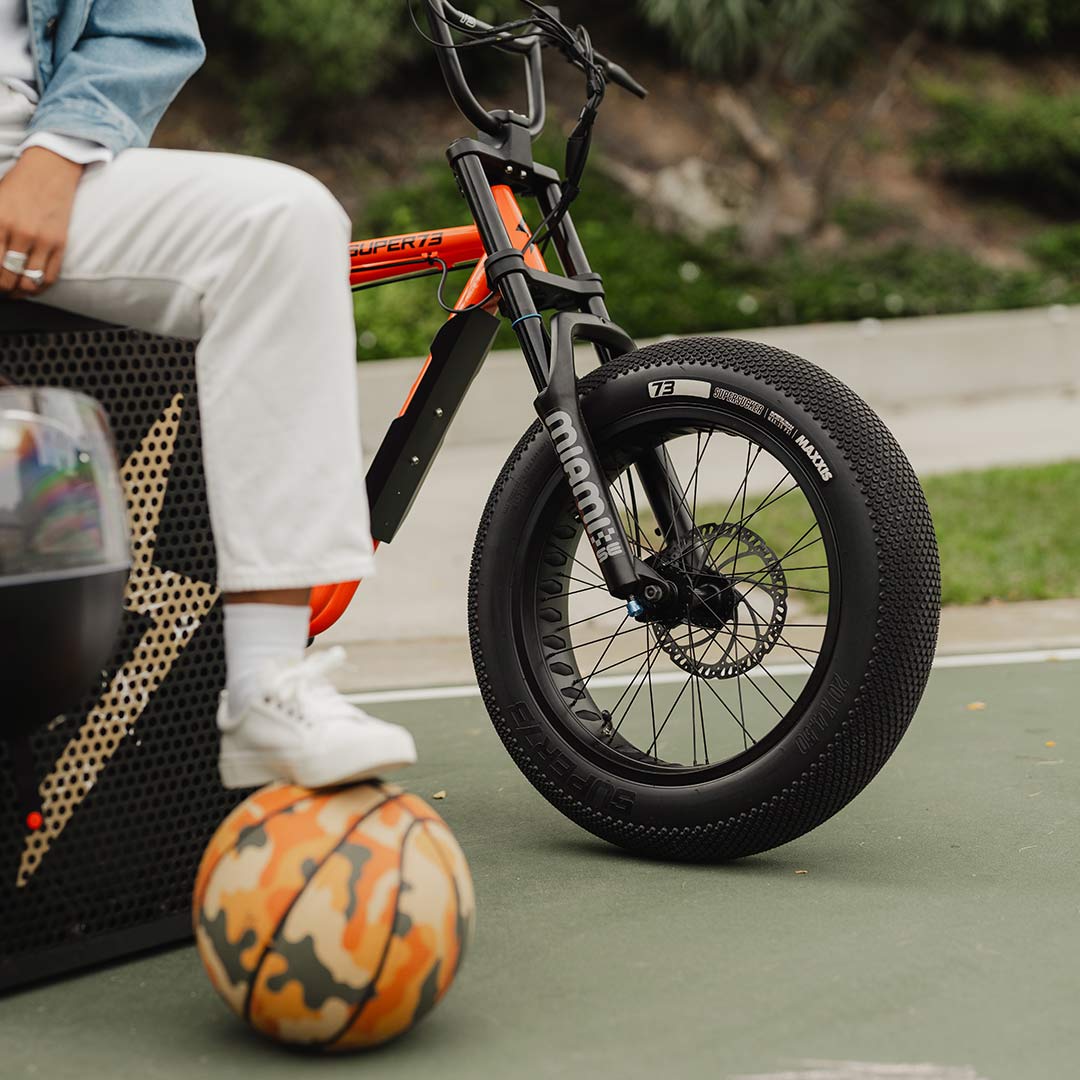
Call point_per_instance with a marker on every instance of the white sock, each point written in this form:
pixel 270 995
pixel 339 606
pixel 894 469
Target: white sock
pixel 256 635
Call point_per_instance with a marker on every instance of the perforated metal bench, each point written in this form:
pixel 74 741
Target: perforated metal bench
pixel 127 779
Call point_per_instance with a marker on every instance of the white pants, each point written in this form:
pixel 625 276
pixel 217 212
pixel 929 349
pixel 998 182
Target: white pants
pixel 250 258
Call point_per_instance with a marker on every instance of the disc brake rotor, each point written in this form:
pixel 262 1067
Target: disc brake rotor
pixel 725 631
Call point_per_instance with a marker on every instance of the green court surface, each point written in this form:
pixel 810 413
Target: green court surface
pixel 937 923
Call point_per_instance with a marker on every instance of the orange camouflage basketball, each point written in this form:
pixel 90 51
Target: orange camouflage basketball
pixel 333 919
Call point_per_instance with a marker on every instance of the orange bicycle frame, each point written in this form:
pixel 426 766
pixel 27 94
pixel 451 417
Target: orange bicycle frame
pixel 397 258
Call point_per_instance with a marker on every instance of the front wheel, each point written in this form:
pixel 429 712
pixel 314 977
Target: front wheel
pixel 776 686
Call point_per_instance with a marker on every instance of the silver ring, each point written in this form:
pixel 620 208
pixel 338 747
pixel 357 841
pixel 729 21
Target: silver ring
pixel 35 277
pixel 15 261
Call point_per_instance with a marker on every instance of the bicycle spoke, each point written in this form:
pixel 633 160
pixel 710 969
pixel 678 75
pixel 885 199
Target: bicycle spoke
pixel 624 660
pixel 768 700
pixel 630 705
pixel 700 709
pixel 605 652
pixel 741 523
pixel 778 562
pixel 742 507
pixel 588 618
pixel 685 491
pixel 780 686
pixel 693 706
pixel 578 581
pixel 596 641
pixel 578 562
pixel 639 537
pixel 786 569
pixel 644 663
pixel 780 638
pixel 741 490
pixel 667 718
pixel 652 701
pixel 793 550
pixel 742 706
pixel 746 733
pixel 574 592
pixel 633 503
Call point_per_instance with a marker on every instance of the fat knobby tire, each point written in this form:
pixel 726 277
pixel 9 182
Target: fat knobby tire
pixel 889 597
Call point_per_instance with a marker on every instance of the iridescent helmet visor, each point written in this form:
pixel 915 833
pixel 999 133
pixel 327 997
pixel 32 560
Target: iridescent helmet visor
pixel 62 510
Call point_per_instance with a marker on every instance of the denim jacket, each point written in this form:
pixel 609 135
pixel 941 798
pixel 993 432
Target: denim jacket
pixel 108 69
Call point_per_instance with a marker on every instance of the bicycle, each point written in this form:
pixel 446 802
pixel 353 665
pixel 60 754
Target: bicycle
pixel 789 582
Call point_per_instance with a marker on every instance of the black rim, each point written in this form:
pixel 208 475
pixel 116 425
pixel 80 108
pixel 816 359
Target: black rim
pixel 712 688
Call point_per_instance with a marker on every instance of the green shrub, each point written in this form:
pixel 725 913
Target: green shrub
pixel 401 319
pixel 325 46
pixel 863 217
pixel 1043 24
pixel 290 61
pixel 1058 249
pixel 1028 146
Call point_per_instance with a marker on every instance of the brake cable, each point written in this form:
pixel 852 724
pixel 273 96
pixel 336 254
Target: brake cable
pixel 496 35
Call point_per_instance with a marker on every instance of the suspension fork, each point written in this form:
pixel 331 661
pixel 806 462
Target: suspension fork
pixel 551 364
pixel 663 490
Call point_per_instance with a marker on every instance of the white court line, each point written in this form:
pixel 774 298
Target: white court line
pixel 966 660
pixel 867 1070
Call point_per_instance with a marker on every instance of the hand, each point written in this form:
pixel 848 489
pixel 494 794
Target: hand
pixel 36 197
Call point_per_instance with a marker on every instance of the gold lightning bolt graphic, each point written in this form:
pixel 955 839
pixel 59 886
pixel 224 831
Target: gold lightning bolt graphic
pixel 176 604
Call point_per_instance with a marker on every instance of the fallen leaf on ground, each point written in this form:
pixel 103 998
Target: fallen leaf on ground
pixel 439 795
pixel 975 706
pixel 1049 742
pixel 802 871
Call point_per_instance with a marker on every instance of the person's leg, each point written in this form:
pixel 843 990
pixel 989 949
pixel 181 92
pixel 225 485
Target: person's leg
pixel 250 258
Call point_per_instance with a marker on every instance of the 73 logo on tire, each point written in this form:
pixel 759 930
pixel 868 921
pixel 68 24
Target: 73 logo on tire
pixel 681 388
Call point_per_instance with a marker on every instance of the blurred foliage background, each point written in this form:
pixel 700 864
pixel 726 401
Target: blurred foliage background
pixel 798 160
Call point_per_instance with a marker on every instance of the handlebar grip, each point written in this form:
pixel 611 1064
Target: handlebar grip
pixel 621 77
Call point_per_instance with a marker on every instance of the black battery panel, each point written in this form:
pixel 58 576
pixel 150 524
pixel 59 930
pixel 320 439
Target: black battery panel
pixel 127 779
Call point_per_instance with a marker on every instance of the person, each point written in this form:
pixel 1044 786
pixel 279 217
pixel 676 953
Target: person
pixel 250 258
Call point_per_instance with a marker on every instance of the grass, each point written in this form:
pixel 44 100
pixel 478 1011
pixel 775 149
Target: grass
pixel 1008 534
pixel 1004 534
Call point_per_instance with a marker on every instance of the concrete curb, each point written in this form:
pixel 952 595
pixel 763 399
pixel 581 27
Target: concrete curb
pixel 896 365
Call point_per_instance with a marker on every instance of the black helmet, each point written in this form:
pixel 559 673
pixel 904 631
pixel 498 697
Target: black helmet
pixel 64 552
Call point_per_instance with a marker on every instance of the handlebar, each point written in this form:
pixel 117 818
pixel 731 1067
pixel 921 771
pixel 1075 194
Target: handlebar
pixel 441 14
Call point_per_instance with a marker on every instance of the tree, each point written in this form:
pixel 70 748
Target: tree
pixel 328 46
pixel 1040 23
pixel 756 47
pixel 296 57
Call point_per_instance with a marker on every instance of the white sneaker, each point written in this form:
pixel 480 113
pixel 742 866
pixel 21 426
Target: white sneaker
pixel 303 731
